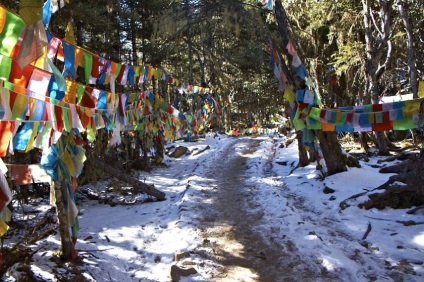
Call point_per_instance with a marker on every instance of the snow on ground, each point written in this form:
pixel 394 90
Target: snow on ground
pixel 138 242
pixel 332 236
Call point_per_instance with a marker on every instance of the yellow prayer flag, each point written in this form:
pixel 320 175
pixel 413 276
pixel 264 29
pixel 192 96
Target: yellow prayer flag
pixel 31 11
pixel 289 95
pixel 371 118
pixel 79 55
pixel 3 228
pixel 411 107
pixel 69 34
pixel 67 161
pixel 339 116
pixel 71 94
pixel 41 61
pixel 34 133
pixel 421 89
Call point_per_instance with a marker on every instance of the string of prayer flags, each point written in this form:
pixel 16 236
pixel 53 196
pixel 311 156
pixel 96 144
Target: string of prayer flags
pixel 401 115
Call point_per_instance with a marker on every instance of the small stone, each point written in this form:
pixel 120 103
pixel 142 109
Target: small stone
pixel 189 263
pixel 181 255
pixel 157 259
pixel 178 272
pixel 328 190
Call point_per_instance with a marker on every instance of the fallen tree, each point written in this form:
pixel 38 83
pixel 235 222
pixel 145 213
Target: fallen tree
pixel 146 188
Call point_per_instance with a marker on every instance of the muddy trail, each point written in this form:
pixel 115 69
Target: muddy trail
pixel 236 250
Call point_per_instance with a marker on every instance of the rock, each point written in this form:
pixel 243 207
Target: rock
pixel 181 255
pixel 178 152
pixel 158 259
pixel 178 272
pixel 328 190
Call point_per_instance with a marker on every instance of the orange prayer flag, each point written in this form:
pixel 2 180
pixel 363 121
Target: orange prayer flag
pixel 328 126
pixel 6 129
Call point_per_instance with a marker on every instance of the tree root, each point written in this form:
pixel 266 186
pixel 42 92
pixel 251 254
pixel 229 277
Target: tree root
pixel 367 232
pixel 397 197
pixel 406 166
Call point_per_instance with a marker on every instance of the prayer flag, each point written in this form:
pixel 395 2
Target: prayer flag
pixel 69 66
pixel 32 45
pixel 421 89
pixel 6 129
pixel 31 11
pixel 47 13
pixel 11 27
pixel 5 67
pixel 69 33
pixel 88 65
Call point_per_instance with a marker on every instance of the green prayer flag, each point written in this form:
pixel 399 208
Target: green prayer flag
pixel 5 67
pixel 297 122
pixel 88 66
pixel 368 108
pixel 404 124
pixel 11 31
pixel 80 91
pixel 66 120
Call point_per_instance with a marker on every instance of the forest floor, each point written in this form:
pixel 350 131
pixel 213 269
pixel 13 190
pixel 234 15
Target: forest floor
pixel 236 210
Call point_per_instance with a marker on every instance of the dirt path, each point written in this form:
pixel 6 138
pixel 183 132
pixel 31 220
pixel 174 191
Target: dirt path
pixel 237 251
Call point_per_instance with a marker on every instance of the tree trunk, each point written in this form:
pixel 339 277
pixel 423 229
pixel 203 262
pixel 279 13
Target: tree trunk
pixel 410 44
pixel 65 236
pixel 283 28
pixel 334 158
pixel 303 155
pixel 375 45
pixel 190 57
pixel 333 155
pixel 383 149
pixel 148 189
pixel 134 42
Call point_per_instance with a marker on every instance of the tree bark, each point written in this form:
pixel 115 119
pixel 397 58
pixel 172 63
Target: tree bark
pixel 303 155
pixel 411 53
pixel 190 57
pixel 65 236
pixel 333 155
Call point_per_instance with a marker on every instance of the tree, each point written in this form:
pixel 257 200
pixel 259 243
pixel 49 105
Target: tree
pixel 378 44
pixel 411 50
pixel 335 160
